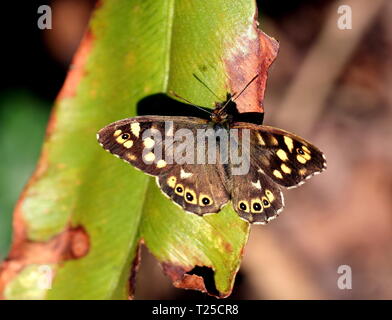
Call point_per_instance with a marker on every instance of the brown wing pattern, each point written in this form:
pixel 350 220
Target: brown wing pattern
pixel 144 142
pixel 149 144
pixel 275 157
pixel 287 159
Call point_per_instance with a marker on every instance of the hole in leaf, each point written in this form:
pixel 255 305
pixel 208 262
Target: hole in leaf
pixel 208 276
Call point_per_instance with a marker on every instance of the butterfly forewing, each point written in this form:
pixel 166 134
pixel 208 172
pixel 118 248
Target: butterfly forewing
pixel 284 157
pixel 145 141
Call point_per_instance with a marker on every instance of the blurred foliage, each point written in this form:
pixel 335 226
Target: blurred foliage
pixel 23 119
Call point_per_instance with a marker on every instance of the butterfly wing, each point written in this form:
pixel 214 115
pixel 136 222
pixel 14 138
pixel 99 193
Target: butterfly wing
pixel 140 141
pixel 256 198
pixel 284 157
pixel 150 144
pixel 196 188
pixel 276 157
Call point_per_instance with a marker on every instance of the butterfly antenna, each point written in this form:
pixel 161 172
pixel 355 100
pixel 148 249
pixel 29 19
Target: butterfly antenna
pixel 241 92
pixel 248 84
pixel 201 81
pixel 187 101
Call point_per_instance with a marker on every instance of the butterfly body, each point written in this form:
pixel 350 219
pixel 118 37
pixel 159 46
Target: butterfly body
pixel 233 161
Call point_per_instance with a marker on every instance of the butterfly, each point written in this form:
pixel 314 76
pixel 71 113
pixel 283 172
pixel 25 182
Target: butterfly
pixel 211 177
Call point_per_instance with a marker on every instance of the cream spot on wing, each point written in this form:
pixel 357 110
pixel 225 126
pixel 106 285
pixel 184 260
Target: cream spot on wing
pixel 302 171
pixel 161 164
pixel 304 148
pixel 301 159
pixel 285 168
pixel 277 174
pixel 273 141
pixel 131 157
pixel 120 140
pixel 185 175
pixel 260 138
pixel 148 143
pixel 257 184
pixel 171 181
pixel 135 129
pixel 289 143
pixel 149 157
pixel 269 195
pixel 282 155
pixel 117 133
pixel 128 144
pixel 306 156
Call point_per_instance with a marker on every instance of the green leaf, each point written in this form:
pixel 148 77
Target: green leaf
pixel 84 212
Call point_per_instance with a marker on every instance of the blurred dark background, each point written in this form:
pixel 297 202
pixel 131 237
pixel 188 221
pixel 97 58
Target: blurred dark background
pixel 34 66
pixel 332 86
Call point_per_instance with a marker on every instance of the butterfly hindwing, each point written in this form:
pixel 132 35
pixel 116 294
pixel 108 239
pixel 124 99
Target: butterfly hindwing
pixel 256 198
pixel 196 188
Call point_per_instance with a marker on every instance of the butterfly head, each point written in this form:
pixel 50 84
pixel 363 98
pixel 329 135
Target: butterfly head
pixel 223 110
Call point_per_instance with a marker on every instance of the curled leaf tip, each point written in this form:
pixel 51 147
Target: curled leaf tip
pixel 251 53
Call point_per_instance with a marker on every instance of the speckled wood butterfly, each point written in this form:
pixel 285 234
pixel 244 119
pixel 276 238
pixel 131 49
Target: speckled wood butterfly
pixel 204 185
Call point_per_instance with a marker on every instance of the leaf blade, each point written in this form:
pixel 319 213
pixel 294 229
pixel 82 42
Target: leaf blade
pixel 133 49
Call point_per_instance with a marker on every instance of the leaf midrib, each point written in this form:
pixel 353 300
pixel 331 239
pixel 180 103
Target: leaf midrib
pixel 149 184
